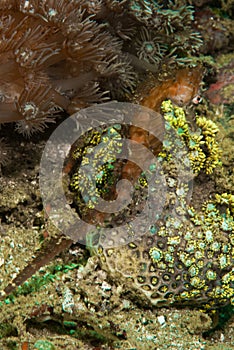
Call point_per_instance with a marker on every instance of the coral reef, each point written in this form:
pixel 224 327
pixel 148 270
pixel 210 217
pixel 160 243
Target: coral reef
pixel 60 56
pixel 186 257
pixel 87 303
pixel 72 303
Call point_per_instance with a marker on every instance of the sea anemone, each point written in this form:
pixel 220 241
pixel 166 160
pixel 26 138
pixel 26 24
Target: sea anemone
pixel 149 46
pixel 121 78
pixel 37 107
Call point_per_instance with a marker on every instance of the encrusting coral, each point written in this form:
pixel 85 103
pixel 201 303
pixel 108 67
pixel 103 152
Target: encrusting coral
pixel 203 149
pixel 186 256
pixel 102 163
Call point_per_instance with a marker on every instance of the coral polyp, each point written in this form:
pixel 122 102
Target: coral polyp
pixel 149 47
pixel 68 48
pixel 49 52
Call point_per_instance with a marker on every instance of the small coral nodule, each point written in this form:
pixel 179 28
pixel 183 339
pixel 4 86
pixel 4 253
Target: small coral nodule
pixel 203 150
pixel 94 172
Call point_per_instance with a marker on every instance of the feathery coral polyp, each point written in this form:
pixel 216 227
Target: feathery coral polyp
pixel 81 50
pixel 49 52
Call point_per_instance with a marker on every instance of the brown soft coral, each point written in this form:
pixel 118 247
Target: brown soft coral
pixel 51 51
pixel 65 55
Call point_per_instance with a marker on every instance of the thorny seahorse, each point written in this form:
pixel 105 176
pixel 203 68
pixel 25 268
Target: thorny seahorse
pixel 181 89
